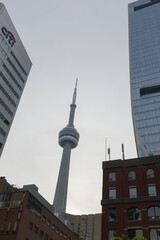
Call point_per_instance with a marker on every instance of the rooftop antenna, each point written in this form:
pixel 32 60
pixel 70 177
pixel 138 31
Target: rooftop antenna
pixel 123 157
pixel 109 153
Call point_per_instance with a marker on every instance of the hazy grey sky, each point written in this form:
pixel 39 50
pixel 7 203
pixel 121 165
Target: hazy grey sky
pixel 66 39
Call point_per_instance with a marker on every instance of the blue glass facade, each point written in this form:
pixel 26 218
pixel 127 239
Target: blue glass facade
pixel 144 50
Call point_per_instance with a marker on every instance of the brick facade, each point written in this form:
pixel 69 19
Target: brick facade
pixel 23 217
pixel 123 201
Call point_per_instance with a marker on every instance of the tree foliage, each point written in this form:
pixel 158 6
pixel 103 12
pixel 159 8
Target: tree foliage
pixel 125 237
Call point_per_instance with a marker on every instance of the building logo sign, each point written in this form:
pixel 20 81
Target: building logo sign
pixel 8 35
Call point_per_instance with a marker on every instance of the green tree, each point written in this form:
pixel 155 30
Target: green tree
pixel 139 238
pixel 125 237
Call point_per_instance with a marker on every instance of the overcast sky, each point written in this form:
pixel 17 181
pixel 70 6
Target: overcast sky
pixel 66 39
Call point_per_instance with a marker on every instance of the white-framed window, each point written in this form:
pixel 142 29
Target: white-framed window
pixel 153 212
pixel 111 233
pixel 112 193
pixel 131 175
pixel 154 233
pixel 132 192
pixel 152 190
pixel 134 214
pixel 112 176
pixel 150 173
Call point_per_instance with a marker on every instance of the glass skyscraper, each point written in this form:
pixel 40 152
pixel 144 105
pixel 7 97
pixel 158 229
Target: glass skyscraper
pixel 144 49
pixel 15 66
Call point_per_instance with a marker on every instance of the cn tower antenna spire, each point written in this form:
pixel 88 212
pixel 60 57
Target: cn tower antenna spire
pixel 75 92
pixel 73 106
pixel 68 139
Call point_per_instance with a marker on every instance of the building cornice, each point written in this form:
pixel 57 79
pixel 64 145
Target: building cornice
pixel 143 199
pixel 134 162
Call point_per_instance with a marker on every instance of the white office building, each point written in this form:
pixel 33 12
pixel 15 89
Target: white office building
pixel 15 66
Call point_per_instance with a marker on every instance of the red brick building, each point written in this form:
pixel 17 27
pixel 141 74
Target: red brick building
pixel 26 215
pixel 131 198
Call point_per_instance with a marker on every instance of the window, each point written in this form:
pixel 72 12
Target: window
pixel 43 218
pixel 154 212
pixel 13 78
pixel 132 192
pixel 131 175
pixel 112 214
pixel 149 90
pixel 112 233
pixel 34 206
pixel 152 190
pixel 134 233
pixel 57 230
pixel 30 225
pixel 4 119
pixel 36 229
pixel 9 85
pixel 134 214
pixel 112 193
pixel 2 132
pixel 155 234
pixel 112 176
pixel 46 237
pixel 41 234
pixel 7 96
pixel 53 226
pixel 49 223
pixel 13 55
pixel 150 173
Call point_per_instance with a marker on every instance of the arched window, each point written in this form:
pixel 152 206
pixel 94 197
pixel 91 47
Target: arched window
pixel 150 173
pixel 154 212
pixel 134 214
pixel 131 175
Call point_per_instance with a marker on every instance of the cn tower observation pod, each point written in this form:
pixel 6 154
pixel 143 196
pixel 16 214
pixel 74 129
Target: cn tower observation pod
pixel 68 135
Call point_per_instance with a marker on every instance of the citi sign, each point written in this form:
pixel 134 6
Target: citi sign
pixel 8 35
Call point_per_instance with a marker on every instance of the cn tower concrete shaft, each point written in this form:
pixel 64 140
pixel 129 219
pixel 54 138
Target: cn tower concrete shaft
pixel 60 198
pixel 68 139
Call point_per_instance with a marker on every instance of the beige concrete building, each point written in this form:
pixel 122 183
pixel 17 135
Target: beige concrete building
pixel 86 226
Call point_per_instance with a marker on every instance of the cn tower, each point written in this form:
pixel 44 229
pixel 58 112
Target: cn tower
pixel 68 139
